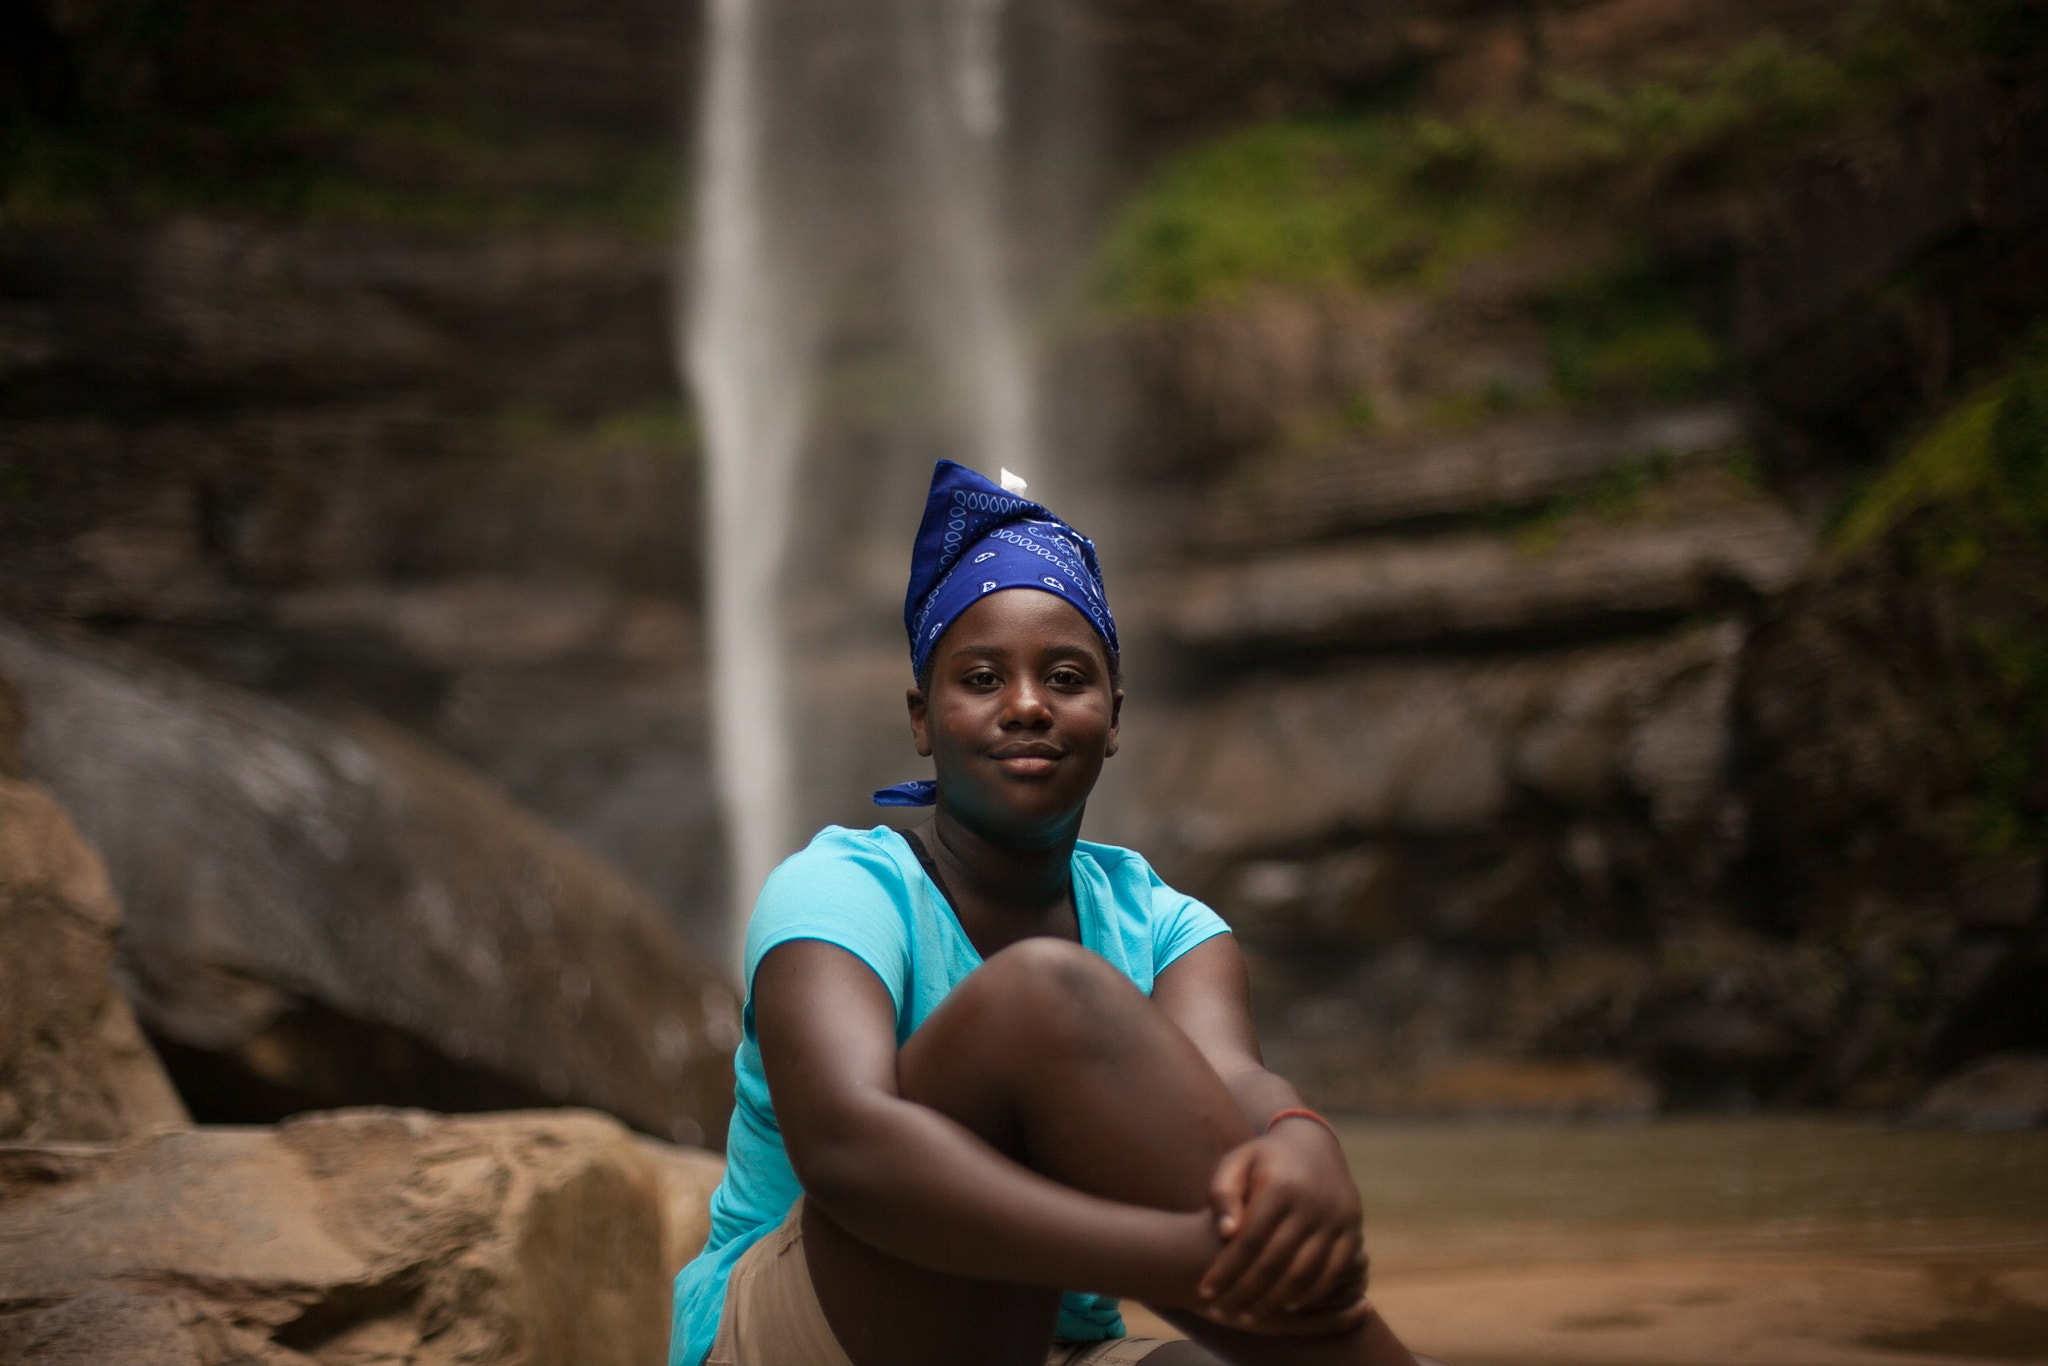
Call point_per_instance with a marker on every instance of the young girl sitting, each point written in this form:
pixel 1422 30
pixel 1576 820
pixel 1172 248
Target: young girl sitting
pixel 995 1076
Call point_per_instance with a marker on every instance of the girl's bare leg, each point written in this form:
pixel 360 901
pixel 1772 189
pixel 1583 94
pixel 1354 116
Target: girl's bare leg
pixel 1051 1056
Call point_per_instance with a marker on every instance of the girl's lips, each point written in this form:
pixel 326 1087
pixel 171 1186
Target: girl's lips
pixel 1027 764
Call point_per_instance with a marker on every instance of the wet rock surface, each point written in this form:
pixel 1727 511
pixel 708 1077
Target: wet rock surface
pixel 324 914
pixel 354 1237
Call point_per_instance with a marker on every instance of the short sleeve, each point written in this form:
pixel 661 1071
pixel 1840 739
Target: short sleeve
pixel 843 891
pixel 1179 922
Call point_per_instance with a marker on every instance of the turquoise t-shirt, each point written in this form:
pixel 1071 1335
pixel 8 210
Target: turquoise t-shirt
pixel 865 891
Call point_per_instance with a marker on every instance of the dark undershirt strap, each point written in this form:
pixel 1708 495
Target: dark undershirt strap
pixel 931 869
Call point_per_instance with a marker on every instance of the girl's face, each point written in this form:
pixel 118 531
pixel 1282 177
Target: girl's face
pixel 1020 715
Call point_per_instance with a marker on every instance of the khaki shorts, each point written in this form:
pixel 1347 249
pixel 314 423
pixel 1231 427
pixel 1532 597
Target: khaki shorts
pixel 772 1317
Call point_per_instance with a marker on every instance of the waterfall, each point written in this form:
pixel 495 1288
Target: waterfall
pixel 848 156
pixel 746 362
pixel 955 110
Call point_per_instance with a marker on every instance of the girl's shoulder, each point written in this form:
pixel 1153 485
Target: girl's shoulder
pixel 1132 882
pixel 1154 922
pixel 838 867
pixel 837 855
pixel 846 887
pixel 1115 861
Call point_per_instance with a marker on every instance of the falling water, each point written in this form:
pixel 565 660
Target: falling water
pixel 836 153
pixel 955 97
pixel 746 362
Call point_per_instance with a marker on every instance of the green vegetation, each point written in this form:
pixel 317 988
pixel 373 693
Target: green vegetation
pixel 2008 812
pixel 663 424
pixel 67 177
pixel 1986 461
pixel 1620 495
pixel 1750 100
pixel 1402 198
pixel 1950 464
pixel 1627 331
pixel 327 113
pixel 1565 184
pixel 1475 407
pixel 1353 417
pixel 1967 504
pixel 1345 203
pixel 1639 489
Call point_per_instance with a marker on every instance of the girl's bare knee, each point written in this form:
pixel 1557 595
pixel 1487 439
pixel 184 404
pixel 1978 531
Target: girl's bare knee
pixel 1056 987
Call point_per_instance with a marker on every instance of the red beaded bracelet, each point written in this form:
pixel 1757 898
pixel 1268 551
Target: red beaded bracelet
pixel 1300 1112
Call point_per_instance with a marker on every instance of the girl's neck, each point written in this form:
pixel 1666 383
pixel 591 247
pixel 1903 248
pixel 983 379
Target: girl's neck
pixel 1001 892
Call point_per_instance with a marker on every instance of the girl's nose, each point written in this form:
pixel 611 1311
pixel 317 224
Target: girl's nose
pixel 1024 704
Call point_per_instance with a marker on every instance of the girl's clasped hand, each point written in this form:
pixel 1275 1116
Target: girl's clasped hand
pixel 1293 1260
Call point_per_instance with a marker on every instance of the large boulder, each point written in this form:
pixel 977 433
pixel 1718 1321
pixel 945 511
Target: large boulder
pixel 357 1237
pixel 73 1064
pixel 324 914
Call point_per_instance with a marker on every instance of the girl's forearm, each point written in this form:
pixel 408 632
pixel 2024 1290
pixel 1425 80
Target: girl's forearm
pixel 1260 1095
pixel 911 1182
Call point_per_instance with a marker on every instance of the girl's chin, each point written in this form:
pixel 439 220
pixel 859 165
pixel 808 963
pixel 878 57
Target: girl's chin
pixel 1023 824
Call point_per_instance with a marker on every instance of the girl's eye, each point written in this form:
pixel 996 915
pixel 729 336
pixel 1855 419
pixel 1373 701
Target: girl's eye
pixel 981 678
pixel 1068 678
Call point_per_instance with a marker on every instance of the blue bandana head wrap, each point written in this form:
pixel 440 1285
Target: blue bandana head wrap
pixel 978 538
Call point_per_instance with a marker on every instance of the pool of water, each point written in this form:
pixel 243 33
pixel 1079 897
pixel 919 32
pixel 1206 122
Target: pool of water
pixel 1774 1242
pixel 1700 1172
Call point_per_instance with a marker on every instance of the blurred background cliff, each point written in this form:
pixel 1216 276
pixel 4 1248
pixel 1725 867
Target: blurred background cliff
pixel 1575 475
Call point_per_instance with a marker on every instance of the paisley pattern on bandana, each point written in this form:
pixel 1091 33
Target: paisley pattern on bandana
pixel 1004 542
pixel 1009 541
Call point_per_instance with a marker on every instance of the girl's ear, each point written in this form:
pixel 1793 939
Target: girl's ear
pixel 913 699
pixel 1116 716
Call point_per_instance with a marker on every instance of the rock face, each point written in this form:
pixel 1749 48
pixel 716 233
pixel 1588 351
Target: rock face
pixel 348 1239
pixel 1387 480
pixel 1543 755
pixel 73 1064
pixel 1463 585
pixel 324 915
pixel 1444 748
pixel 438 476
pixel 271 386
pixel 1511 717
pixel 1523 723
